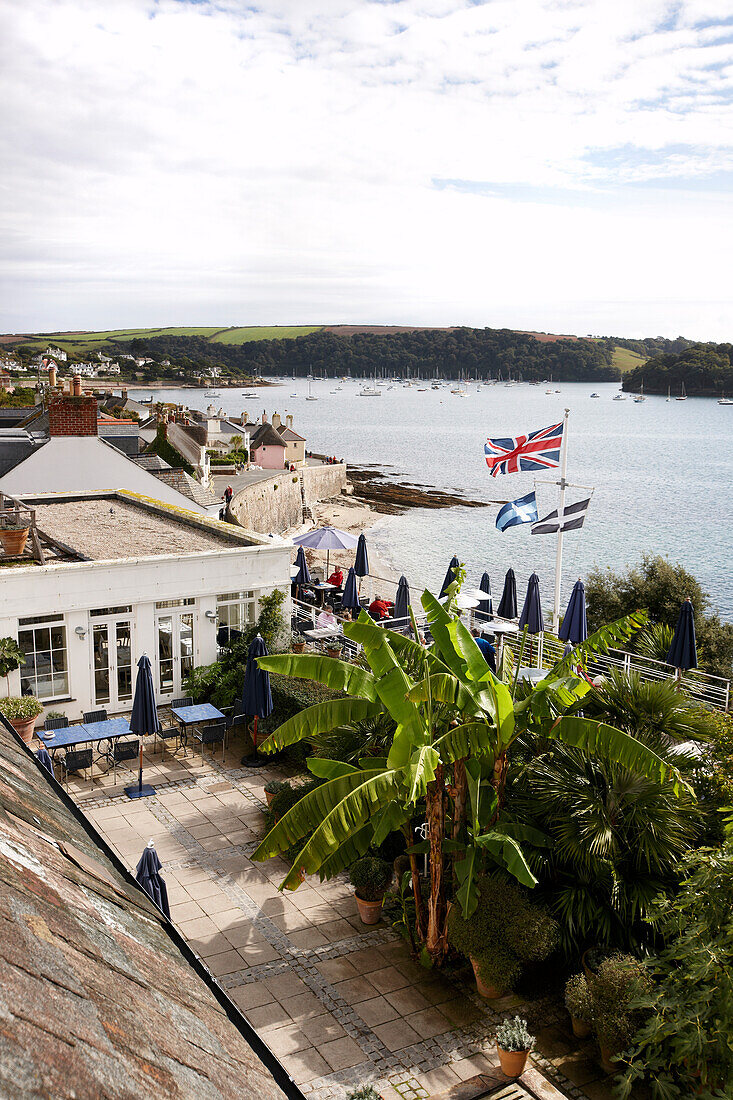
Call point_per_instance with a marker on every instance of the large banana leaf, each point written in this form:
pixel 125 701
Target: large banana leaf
pixel 445 688
pixel 505 850
pixel 352 849
pixel 611 636
pixel 613 744
pixel 329 769
pixel 421 771
pixel 470 739
pixel 337 675
pixel 454 642
pixel 319 719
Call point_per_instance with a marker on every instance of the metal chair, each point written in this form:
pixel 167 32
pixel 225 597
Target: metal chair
pixel 56 724
pixel 232 717
pixel 94 716
pixel 122 751
pixel 76 760
pixel 184 701
pixel 212 734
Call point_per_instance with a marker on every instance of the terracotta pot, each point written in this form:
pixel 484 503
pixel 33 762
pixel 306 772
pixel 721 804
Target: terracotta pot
pixel 606 1059
pixel 24 728
pixel 369 911
pixel 269 795
pixel 584 962
pixel 512 1061
pixel 581 1030
pixel 335 653
pixel 489 992
pixel 14 541
pixel 298 647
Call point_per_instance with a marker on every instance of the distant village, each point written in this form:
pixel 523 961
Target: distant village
pixel 99 366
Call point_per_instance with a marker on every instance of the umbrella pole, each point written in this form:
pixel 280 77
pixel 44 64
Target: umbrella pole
pixel 254 734
pixel 142 790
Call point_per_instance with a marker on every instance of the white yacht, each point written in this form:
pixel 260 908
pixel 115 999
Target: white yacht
pixel 370 391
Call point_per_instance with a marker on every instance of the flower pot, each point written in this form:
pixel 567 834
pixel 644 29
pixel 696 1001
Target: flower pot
pixel 512 1061
pixel 607 1056
pixel 298 647
pixel 24 728
pixel 14 540
pixel 488 992
pixel 335 653
pixel 369 911
pixel 581 1030
pixel 584 963
pixel 269 795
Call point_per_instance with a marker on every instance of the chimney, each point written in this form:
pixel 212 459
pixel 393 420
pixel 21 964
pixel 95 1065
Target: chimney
pixel 276 421
pixel 52 376
pixel 77 385
pixel 69 415
pixel 245 417
pixel 289 420
pixel 123 395
pixel 264 417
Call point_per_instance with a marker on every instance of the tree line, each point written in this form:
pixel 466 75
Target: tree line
pixel 704 369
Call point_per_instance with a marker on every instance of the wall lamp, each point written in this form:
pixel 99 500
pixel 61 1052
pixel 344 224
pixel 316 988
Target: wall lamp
pixel 210 615
pixel 81 631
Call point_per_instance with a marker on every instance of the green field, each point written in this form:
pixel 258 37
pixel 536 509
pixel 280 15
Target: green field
pixel 626 360
pixel 278 332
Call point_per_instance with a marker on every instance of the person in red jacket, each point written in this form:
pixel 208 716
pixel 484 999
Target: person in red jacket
pixel 337 578
pixel 379 608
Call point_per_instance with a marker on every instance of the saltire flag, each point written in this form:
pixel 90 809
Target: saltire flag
pixel 519 511
pixel 536 451
pixel 573 517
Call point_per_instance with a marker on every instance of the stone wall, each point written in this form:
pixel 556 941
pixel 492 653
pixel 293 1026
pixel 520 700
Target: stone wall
pixel 323 482
pixel 276 504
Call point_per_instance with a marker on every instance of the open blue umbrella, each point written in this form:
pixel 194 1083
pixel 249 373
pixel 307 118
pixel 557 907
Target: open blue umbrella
pixel 574 627
pixel 144 719
pixel 402 602
pixel 450 576
pixel 303 575
pixel 328 539
pixel 486 607
pixel 350 598
pixel 147 874
pixel 508 603
pixel 361 564
pixel 683 651
pixel 256 694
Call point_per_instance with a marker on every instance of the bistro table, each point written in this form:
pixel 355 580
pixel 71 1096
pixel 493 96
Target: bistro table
pixel 534 675
pixel 500 627
pixel 322 587
pixel 190 716
pixel 320 632
pixel 89 733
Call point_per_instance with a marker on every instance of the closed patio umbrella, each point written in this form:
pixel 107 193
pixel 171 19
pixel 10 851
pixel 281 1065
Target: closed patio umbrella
pixel 531 617
pixel 328 539
pixel 450 576
pixel 256 695
pixel 401 611
pixel 508 603
pixel 361 564
pixel 350 598
pixel 303 575
pixel 144 719
pixel 486 607
pixel 683 651
pixel 147 874
pixel 574 627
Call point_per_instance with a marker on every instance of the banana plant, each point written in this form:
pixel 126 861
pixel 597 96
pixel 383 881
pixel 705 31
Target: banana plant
pixel 454 724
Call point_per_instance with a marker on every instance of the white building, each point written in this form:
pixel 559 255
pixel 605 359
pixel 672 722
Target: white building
pixel 148 578
pixel 56 353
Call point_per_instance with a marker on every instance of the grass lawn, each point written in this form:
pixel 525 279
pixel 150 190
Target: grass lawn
pixel 626 360
pixel 277 332
pixel 83 341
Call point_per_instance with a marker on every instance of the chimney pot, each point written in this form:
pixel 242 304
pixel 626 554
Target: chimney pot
pixel 77 385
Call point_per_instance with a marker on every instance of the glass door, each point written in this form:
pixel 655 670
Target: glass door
pixel 176 649
pixel 112 662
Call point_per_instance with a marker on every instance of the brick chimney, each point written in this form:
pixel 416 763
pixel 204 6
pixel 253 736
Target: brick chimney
pixel 52 376
pixel 70 415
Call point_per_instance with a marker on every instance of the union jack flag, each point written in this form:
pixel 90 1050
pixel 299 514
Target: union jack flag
pixel 537 451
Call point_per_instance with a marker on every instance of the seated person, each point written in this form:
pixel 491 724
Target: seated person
pixel 326 618
pixel 337 578
pixel 379 608
pixel 487 650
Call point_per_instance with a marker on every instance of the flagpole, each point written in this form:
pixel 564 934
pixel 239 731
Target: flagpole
pixel 558 558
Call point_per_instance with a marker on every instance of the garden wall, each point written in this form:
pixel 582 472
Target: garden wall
pixel 276 504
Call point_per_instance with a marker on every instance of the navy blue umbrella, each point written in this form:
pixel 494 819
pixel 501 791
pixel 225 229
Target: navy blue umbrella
pixel 350 598
pixel 303 575
pixel 147 874
pixel 144 719
pixel 574 627
pixel 44 757
pixel 402 601
pixel 450 576
pixel 531 616
pixel 508 603
pixel 361 564
pixel 683 651
pixel 256 694
pixel 486 606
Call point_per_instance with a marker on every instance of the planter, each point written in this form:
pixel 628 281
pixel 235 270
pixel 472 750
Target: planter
pixel 584 963
pixel 369 911
pixel 607 1059
pixel 269 795
pixel 488 992
pixel 298 647
pixel 13 541
pixel 331 652
pixel 512 1061
pixel 24 728
pixel 581 1030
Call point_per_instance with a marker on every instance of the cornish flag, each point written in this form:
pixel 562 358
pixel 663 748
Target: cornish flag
pixel 573 517
pixel 519 511
pixel 536 451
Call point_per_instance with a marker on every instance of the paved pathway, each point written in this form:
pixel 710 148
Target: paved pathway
pixel 341 1004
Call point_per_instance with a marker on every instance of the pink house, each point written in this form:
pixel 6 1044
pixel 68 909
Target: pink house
pixel 267 448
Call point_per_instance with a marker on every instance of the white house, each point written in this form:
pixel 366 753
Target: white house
pixel 148 578
pixel 56 353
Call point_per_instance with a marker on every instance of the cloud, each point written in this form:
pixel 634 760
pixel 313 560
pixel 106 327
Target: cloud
pixel 215 161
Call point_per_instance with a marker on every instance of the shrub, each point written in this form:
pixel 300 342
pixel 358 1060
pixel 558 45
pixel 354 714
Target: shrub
pixel 366 1092
pixel 619 980
pixel 370 877
pixel 275 785
pixel 513 1034
pixel 578 1000
pixel 20 708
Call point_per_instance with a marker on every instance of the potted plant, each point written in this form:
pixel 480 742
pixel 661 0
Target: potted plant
pixel 297 643
pixel 11 657
pixel 21 712
pixel 13 533
pixel 333 650
pixel 579 1004
pixel 273 787
pixel 513 1043
pixel 370 877
pixel 619 980
pixel 592 958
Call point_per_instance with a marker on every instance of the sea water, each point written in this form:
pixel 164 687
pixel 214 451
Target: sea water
pixel 660 472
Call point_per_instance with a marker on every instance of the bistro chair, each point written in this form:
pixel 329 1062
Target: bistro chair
pixel 76 760
pixel 213 734
pixel 122 751
pixel 183 701
pixel 170 730
pixel 94 716
pixel 232 717
pixel 56 724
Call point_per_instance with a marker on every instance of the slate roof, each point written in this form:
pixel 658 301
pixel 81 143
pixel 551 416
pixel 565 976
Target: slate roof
pixel 152 462
pixel 289 435
pixel 265 436
pixel 16 445
pixel 189 486
pixel 101 997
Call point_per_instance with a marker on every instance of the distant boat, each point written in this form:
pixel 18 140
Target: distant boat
pixel 249 395
pixel 595 395
pixel 293 395
pixel 620 397
pixel 723 400
pixel 310 396
pixel 370 391
pixel 639 397
pixel 669 393
pixel 683 395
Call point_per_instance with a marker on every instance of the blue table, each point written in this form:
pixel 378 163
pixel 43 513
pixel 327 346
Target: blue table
pixel 189 716
pixel 91 733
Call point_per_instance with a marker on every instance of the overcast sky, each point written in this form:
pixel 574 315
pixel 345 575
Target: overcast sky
pixel 562 165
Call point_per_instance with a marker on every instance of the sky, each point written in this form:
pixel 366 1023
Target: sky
pixel 558 165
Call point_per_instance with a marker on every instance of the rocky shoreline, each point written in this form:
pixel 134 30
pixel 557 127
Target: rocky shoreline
pixel 374 487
